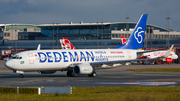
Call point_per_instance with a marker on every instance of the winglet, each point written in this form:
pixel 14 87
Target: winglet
pixel 168 52
pixel 39 47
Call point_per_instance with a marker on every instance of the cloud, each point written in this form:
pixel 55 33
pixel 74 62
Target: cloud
pixel 6 1
pixel 65 11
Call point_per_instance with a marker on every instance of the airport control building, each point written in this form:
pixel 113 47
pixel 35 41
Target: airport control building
pixel 82 35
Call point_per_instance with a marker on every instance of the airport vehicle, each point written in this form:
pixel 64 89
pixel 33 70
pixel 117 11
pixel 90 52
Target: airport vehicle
pixel 79 61
pixel 66 44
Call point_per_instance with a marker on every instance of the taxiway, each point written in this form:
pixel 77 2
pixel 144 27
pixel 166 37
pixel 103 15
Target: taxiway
pixel 105 77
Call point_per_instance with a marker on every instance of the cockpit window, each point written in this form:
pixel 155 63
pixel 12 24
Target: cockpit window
pixel 16 57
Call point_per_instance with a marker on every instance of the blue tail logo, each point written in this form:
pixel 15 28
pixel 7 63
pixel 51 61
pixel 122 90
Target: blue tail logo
pixel 137 37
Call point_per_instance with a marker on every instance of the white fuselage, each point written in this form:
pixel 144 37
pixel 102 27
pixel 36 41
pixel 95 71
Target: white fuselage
pixel 41 60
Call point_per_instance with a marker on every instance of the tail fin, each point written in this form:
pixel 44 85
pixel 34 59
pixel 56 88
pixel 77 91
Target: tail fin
pixel 137 37
pixel 123 40
pixel 62 44
pixel 68 44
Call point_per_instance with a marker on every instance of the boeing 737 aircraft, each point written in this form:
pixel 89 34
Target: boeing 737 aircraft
pixel 79 61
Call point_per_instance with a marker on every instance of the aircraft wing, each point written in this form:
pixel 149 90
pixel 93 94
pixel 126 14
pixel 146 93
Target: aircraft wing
pixel 168 52
pixel 121 61
pixel 146 51
pixel 133 60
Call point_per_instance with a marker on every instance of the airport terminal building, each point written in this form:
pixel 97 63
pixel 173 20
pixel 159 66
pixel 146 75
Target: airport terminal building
pixel 82 35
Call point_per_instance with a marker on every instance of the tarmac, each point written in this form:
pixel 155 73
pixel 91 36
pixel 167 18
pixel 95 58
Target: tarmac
pixel 105 77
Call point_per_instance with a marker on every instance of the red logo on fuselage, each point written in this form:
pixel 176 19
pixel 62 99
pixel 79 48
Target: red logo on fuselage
pixel 116 52
pixel 159 53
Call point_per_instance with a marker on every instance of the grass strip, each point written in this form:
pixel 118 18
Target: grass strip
pixel 103 94
pixel 156 70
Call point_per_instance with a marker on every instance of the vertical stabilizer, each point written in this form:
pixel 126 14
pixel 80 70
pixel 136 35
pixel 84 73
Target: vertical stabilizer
pixel 68 44
pixel 136 39
pixel 62 44
pixel 123 40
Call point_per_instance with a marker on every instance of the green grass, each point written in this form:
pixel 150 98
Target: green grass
pixel 156 70
pixel 103 94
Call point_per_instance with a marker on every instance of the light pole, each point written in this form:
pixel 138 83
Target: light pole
pixel 57 35
pixel 127 22
pixel 167 27
pixel 16 44
pixel 102 35
pixel 53 35
pixel 97 34
pixel 11 31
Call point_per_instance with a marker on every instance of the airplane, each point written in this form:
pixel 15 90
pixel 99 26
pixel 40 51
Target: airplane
pixel 79 61
pixel 66 44
pixel 123 40
pixel 155 54
pixel 62 44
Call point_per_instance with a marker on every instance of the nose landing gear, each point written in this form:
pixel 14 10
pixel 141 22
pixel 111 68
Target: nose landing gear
pixel 21 73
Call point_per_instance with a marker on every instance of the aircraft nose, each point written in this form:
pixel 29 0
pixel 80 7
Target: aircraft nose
pixel 8 64
pixel 176 56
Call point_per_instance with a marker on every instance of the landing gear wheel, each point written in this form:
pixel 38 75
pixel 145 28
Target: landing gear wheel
pixel 155 62
pixel 70 74
pixel 92 75
pixel 21 76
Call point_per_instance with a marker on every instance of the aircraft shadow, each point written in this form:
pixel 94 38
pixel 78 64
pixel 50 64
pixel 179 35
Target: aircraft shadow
pixel 36 75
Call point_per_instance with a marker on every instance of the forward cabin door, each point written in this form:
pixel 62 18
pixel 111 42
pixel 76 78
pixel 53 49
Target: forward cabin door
pixel 31 58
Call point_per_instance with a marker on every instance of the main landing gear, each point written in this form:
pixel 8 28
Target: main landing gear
pixel 70 74
pixel 21 75
pixel 92 75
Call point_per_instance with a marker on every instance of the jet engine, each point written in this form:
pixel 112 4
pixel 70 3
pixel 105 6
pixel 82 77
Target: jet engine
pixel 82 69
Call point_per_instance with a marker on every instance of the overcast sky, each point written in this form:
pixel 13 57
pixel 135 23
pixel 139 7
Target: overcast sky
pixel 89 11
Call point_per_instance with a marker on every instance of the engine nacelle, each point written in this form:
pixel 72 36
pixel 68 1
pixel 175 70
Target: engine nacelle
pixel 82 69
pixel 47 72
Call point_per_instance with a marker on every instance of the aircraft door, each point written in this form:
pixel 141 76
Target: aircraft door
pixel 129 55
pixel 31 58
pixel 14 63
